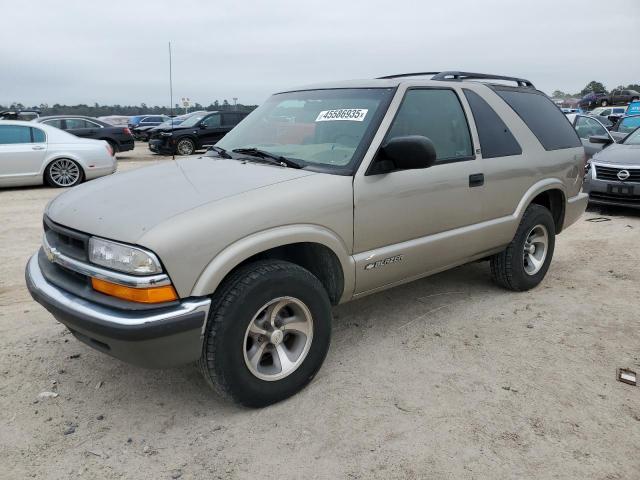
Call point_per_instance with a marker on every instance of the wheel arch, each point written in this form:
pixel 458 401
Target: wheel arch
pixel 62 156
pixel 551 194
pixel 315 248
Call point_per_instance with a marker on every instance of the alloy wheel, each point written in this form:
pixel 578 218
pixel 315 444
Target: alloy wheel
pixel 64 172
pixel 535 249
pixel 185 147
pixel 278 338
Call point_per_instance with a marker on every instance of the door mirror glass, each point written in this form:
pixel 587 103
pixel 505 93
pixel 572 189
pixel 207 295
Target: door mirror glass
pixel 404 153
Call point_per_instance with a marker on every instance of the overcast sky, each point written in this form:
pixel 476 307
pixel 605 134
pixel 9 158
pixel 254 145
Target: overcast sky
pixel 116 51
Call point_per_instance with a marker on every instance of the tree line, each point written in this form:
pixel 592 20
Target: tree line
pixel 97 110
pixel 593 86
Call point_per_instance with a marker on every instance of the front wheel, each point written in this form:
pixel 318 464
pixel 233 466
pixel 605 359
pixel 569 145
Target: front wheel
pixel 185 146
pixel 63 172
pixel 525 261
pixel 267 334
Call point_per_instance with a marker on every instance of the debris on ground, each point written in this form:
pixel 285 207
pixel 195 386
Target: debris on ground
pixel 598 219
pixel 47 395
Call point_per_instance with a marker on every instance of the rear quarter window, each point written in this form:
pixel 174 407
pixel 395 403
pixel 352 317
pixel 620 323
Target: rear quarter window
pixel 542 116
pixel 496 140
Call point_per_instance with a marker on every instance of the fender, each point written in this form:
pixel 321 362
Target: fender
pixel 535 190
pixel 57 156
pixel 234 254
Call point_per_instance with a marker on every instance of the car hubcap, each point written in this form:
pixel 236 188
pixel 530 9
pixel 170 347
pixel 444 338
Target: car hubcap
pixel 64 172
pixel 535 249
pixel 185 147
pixel 278 338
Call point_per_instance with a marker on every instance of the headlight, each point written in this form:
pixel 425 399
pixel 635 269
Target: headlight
pixel 123 258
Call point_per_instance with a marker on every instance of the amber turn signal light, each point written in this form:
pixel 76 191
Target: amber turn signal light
pixel 141 295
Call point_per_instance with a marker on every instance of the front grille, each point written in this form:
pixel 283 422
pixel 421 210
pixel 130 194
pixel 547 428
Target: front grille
pixel 612 197
pixel 611 173
pixel 69 242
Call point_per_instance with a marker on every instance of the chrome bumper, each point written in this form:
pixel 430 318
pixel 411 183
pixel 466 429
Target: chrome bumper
pixel 164 337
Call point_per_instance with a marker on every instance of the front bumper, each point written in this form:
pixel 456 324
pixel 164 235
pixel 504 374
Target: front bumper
pixel 161 338
pixel 608 192
pixel 160 145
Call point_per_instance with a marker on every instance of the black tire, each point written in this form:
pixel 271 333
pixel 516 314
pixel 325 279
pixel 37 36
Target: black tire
pixel 233 308
pixel 50 177
pixel 185 146
pixel 508 266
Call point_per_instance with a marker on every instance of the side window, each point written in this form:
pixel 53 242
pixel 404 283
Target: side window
pixel 231 119
pixel 38 135
pixel 496 140
pixel 543 118
pixel 588 127
pixel 73 123
pixel 54 123
pixel 605 113
pixel 212 121
pixel 438 115
pixel 629 124
pixel 12 134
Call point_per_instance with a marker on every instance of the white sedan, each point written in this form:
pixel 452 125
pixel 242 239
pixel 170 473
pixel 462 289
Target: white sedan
pixel 32 154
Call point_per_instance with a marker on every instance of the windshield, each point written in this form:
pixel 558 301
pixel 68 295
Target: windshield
pixel 329 129
pixel 633 139
pixel 192 121
pixel 629 124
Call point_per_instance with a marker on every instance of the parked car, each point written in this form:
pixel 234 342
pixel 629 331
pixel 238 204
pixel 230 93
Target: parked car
pixel 322 195
pixel 119 138
pixel 144 133
pixel 588 126
pixel 117 120
pixel 139 121
pixel 624 127
pixel 614 174
pixel 592 100
pixel 194 133
pixel 19 114
pixel 616 97
pixel 34 153
pixel 611 113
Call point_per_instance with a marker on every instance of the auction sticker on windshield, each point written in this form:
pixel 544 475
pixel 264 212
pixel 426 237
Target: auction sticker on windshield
pixel 353 114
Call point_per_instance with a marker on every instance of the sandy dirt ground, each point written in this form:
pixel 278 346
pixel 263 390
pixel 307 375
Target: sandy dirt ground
pixel 449 377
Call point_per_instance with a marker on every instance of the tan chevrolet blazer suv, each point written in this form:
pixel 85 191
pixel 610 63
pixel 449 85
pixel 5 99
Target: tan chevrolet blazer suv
pixel 322 195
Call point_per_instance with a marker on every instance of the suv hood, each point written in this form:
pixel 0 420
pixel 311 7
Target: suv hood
pixel 125 206
pixel 619 154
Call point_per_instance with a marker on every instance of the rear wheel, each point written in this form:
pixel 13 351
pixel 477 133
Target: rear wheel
pixel 63 172
pixel 185 146
pixel 525 261
pixel 268 333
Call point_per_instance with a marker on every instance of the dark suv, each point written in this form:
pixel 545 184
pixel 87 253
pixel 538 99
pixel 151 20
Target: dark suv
pixel 119 138
pixel 140 121
pixel 194 133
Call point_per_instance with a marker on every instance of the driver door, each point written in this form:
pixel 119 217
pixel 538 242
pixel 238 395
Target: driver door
pixel 588 127
pixel 410 222
pixel 211 130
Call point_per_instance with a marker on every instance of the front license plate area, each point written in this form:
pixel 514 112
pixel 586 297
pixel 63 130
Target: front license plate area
pixel 620 189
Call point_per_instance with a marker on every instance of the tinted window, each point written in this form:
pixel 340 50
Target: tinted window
pixel 588 127
pixel 543 118
pixel 73 123
pixel 605 113
pixel 212 121
pixel 496 140
pixel 10 134
pixel 54 123
pixel 629 124
pixel 38 135
pixel 438 115
pixel 231 119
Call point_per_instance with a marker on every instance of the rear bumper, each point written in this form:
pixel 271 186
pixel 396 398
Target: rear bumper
pixel 156 338
pixel 575 208
pixel 126 144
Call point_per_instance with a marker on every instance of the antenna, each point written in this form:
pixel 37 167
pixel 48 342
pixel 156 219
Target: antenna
pixel 173 150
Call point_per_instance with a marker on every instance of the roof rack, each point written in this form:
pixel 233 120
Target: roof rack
pixel 455 75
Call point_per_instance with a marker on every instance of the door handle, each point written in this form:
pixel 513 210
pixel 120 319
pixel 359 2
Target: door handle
pixel 37 147
pixel 476 180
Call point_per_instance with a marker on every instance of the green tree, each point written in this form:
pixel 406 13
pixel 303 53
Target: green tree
pixel 593 86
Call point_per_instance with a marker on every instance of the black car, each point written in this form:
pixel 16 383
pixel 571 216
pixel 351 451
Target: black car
pixel 139 123
pixel 592 100
pixel 195 132
pixel 119 138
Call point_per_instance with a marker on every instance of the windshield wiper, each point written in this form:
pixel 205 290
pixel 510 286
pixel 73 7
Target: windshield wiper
pixel 220 151
pixel 267 156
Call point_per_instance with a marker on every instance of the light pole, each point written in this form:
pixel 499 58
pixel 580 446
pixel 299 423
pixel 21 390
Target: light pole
pixel 235 101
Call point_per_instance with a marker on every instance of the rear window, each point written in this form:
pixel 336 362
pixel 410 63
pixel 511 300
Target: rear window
pixel 542 116
pixel 496 140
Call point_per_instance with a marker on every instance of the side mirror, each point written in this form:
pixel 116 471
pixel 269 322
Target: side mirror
pixel 404 153
pixel 600 139
pixel 202 126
